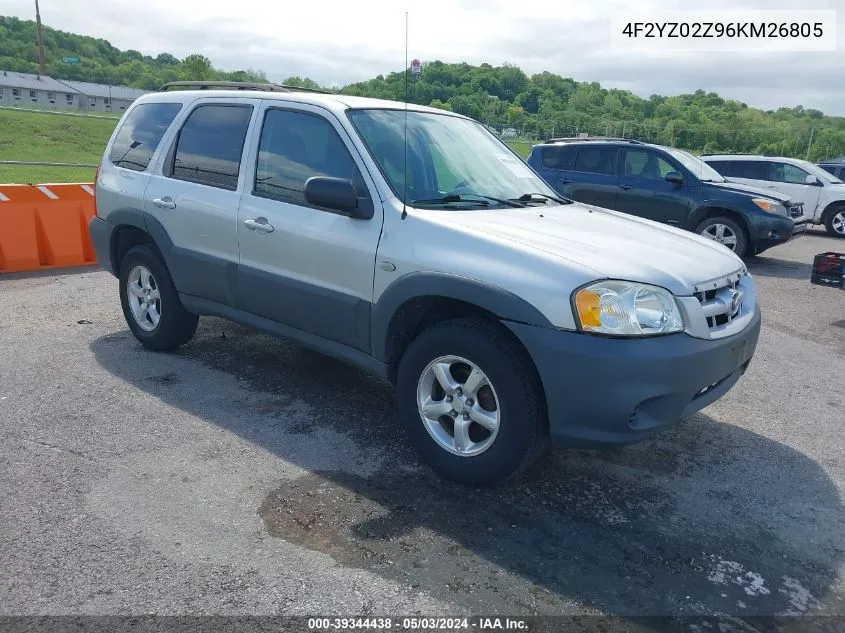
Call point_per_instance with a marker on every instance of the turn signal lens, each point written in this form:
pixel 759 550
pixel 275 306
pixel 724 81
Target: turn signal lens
pixel 588 304
pixel 767 205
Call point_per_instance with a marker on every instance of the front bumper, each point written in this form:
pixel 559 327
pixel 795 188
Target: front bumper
pixel 769 230
pixel 603 391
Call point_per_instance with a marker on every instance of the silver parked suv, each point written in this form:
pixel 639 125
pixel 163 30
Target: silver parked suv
pixel 415 244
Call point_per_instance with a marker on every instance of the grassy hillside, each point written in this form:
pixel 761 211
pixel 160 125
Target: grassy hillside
pixel 50 138
pixel 539 105
pixel 31 136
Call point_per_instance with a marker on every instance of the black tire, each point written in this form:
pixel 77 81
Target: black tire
pixel 741 249
pixel 176 326
pixel 829 215
pixel 522 433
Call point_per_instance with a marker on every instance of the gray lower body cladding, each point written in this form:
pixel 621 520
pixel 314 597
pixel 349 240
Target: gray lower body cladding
pixel 603 391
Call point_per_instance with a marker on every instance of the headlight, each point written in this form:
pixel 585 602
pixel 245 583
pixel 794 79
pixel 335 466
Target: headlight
pixel 627 308
pixel 769 206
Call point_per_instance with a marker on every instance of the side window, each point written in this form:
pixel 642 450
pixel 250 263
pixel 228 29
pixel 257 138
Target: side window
pixel 749 169
pixel 140 133
pixel 562 157
pixel 640 163
pixel 727 168
pixel 789 174
pixel 210 145
pixel 294 147
pixel 596 160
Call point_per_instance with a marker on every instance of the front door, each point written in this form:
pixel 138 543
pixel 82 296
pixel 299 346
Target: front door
pixel 306 267
pixel 645 192
pixel 792 181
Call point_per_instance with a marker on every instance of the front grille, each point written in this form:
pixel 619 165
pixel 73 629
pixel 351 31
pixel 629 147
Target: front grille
pixel 721 304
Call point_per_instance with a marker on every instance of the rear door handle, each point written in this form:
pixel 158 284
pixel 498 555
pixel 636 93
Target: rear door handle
pixel 164 203
pixel 625 187
pixel 259 224
pixel 565 181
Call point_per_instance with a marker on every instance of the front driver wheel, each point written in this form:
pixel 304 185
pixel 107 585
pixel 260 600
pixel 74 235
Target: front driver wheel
pixel 834 222
pixel 470 402
pixel 726 232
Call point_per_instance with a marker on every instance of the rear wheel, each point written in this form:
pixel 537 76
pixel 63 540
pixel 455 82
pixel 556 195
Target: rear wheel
pixel 726 232
pixel 834 221
pixel 151 303
pixel 470 402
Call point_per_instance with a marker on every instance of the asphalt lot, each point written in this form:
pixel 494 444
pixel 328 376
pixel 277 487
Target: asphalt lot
pixel 245 475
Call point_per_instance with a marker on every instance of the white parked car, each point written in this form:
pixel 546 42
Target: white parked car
pixel 822 193
pixel 504 315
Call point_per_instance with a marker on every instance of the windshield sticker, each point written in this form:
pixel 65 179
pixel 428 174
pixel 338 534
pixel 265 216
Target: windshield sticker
pixel 516 167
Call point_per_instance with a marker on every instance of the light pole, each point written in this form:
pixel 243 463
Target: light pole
pixel 42 67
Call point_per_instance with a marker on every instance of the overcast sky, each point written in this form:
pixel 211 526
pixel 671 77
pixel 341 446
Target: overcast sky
pixel 335 42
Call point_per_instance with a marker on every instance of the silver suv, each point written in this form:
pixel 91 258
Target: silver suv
pixel 415 244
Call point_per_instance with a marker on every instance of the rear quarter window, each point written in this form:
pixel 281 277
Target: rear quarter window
pixel 140 134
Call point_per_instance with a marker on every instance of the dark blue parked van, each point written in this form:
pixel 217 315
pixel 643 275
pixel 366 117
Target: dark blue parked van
pixel 667 185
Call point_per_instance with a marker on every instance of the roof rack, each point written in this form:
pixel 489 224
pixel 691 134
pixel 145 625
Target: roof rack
pixel 237 85
pixel 578 139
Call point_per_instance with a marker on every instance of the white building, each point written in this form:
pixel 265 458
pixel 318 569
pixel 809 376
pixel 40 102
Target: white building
pixel 104 98
pixel 23 89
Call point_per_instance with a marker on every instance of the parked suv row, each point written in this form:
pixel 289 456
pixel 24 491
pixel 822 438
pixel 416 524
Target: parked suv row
pixel 670 186
pixel 822 193
pixel 415 244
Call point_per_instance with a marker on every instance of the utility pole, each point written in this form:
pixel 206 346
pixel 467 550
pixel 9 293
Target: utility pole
pixel 810 144
pixel 42 66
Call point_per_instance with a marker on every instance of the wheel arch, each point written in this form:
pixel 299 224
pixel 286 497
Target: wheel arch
pixel 418 300
pixel 715 210
pixel 133 227
pixel 831 208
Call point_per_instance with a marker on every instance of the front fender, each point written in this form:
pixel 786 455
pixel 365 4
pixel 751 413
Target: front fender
pixel 505 305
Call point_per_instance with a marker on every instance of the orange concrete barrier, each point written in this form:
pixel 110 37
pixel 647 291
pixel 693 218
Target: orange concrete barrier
pixel 45 226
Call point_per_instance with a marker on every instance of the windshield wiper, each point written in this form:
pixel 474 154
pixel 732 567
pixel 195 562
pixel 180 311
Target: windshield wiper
pixel 530 197
pixel 469 198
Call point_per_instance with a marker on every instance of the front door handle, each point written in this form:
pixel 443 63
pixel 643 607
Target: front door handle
pixel 625 187
pixel 565 181
pixel 164 203
pixel 259 224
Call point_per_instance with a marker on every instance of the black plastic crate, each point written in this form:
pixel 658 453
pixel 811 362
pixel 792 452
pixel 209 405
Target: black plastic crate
pixel 829 270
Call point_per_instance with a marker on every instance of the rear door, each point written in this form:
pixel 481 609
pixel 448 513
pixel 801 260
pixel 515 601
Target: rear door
pixel 594 179
pixel 749 172
pixel 195 194
pixel 644 190
pixel 792 180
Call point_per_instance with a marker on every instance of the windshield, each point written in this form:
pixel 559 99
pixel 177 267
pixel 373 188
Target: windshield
pixel 447 155
pixel 698 167
pixel 818 172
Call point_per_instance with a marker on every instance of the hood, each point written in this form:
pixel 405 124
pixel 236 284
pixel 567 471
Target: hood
pixel 615 245
pixel 743 188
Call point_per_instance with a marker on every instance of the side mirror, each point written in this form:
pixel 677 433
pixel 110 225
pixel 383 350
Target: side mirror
pixel 812 180
pixel 675 178
pixel 338 194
